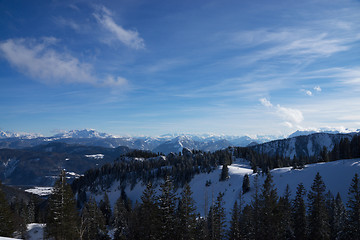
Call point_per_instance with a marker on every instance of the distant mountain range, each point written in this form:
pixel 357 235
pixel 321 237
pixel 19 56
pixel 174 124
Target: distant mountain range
pixel 165 143
pixel 37 161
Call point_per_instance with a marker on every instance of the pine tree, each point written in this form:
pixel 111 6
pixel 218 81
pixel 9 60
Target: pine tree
pixel 318 217
pixel 246 184
pixel 62 217
pixel 7 225
pixel 353 204
pixel 186 215
pixel 93 222
pixel 285 227
pixel 235 231
pixel 105 208
pixel 255 210
pixel 218 218
pixel 121 220
pixel 299 214
pixel 339 219
pixel 247 226
pixel 149 221
pixel 269 214
pixel 224 173
pixel 167 206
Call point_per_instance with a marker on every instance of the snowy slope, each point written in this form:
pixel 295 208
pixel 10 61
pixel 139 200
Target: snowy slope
pixel 336 175
pixel 309 145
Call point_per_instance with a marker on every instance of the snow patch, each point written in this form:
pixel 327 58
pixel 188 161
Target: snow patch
pixel 35 231
pixel 95 156
pixel 41 191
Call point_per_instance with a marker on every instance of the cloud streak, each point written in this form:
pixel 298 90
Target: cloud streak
pixel 301 43
pixel 128 37
pixel 41 62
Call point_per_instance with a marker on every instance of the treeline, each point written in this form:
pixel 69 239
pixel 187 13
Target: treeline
pixel 128 169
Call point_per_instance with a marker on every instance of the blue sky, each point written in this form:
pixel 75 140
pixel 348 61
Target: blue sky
pixel 155 67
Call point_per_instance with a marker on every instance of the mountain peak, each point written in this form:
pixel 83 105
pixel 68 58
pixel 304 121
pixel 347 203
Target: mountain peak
pixel 8 134
pixel 84 133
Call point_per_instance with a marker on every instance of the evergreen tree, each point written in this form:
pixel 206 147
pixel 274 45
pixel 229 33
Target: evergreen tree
pixel 247 226
pixel 324 155
pixel 149 220
pixel 235 231
pixel 318 216
pixel 285 227
pixel 246 184
pixel 186 215
pixel 353 204
pixel 7 225
pixel 121 219
pixel 255 210
pixel 224 173
pixel 92 222
pixel 299 213
pixel 105 208
pixel 218 218
pixel 62 214
pixel 339 219
pixel 269 214
pixel 167 206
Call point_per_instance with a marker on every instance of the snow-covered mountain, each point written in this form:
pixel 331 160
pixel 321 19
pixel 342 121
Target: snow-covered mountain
pixel 85 133
pixel 165 143
pixel 304 145
pixel 176 142
pixel 322 130
pixel 8 134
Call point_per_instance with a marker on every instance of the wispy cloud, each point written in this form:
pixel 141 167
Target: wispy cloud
pixel 40 61
pixel 304 44
pixel 291 116
pixel 130 38
pixel 68 23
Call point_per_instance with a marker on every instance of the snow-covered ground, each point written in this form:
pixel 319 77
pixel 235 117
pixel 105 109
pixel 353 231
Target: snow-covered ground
pixel 95 156
pixel 35 231
pixel 41 191
pixel 336 175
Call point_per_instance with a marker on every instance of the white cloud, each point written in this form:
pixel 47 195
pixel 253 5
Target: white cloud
pixel 265 102
pixel 38 60
pixel 291 116
pixel 308 92
pixel 112 82
pixel 128 37
pixel 317 88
